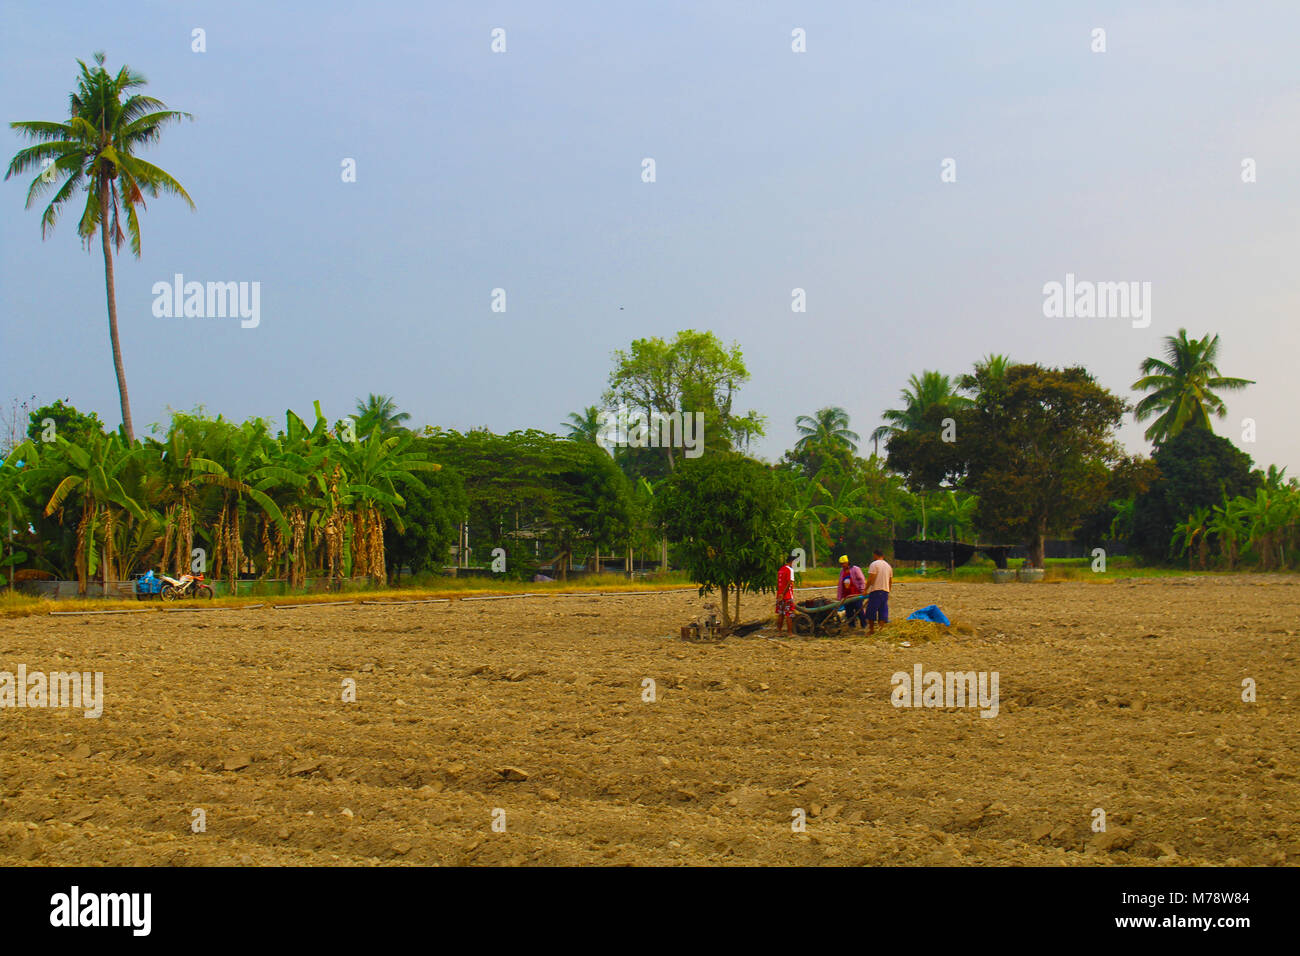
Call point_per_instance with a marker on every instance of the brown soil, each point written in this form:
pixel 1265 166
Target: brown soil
pixel 1124 696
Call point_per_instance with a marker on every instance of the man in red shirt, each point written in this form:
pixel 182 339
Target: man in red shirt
pixel 785 594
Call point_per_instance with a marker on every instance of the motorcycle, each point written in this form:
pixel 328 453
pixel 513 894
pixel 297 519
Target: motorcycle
pixel 186 586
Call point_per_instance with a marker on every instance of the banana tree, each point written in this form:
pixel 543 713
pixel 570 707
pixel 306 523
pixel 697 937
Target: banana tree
pixel 954 512
pixel 245 474
pixel 1264 517
pixel 14 500
pixel 1193 533
pixel 373 467
pixel 801 496
pixel 1228 527
pixel 91 478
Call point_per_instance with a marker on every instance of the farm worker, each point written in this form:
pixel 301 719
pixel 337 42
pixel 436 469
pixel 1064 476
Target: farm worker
pixel 851 582
pixel 880 578
pixel 785 594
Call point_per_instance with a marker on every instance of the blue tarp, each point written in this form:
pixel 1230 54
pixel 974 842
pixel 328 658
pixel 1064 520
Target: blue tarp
pixel 930 612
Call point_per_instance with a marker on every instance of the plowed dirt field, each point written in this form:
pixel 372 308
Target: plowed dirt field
pixel 527 731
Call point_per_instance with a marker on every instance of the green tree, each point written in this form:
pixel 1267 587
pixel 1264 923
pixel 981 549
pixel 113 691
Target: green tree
pixel 1038 447
pixel 1182 387
pixel 919 437
pixel 1113 519
pixel 532 488
pixel 95 152
pixel 1197 469
pixel 63 419
pixel 730 523
pixel 693 373
pixel 436 505
pixel 929 393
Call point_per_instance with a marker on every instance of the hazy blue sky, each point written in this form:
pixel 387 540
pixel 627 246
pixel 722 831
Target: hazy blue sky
pixel 775 170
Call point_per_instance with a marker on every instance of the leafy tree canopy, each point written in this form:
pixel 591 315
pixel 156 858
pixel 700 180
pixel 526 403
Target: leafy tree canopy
pixel 730 518
pixel 1038 447
pixel 1197 469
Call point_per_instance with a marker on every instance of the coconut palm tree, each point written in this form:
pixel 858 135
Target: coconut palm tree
pixel 379 411
pixel 828 429
pixel 1182 387
pixel 994 365
pixel 94 151
pixel 585 425
pixel 921 397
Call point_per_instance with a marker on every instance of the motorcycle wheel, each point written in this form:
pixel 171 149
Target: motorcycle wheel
pixel 169 593
pixel 205 592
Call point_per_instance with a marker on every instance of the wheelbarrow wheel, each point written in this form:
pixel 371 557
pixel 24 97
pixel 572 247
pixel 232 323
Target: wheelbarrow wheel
pixel 801 625
pixel 834 626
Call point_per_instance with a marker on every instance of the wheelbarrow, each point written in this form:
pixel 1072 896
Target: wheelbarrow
pixel 825 620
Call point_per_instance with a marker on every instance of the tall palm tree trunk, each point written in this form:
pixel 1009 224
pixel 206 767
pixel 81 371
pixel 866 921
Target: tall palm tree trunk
pixel 104 185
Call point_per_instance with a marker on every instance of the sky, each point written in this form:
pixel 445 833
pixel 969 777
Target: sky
pixel 775 170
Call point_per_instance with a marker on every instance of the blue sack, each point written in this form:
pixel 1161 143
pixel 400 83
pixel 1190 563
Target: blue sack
pixel 930 612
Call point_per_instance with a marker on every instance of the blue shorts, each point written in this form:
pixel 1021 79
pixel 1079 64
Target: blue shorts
pixel 877 607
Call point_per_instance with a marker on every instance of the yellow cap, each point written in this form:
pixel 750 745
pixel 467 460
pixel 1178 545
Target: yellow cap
pixel 844 559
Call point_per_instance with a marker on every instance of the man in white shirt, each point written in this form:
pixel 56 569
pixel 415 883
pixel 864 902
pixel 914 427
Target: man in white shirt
pixel 880 578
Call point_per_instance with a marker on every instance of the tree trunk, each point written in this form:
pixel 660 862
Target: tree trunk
pixel 109 528
pixel 812 542
pixel 81 561
pixel 736 617
pixel 1037 547
pixel 726 614
pixel 105 184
